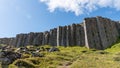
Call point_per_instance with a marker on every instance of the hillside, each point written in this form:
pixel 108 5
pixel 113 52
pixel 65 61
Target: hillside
pixel 90 44
pixel 59 33
pixel 70 57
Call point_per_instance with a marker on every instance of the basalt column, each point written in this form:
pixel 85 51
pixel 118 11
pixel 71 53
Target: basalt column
pixel 24 39
pixel 53 37
pixel 92 36
pixel 7 41
pixel 35 39
pixel 73 34
pixel 38 40
pixel 11 41
pixel 19 40
pixel 109 30
pixel 64 37
pixel 115 30
pixel 118 27
pixel 100 33
pixel 80 37
pixel 30 39
pixel 68 36
pixel 46 36
pixel 82 33
pixel 16 40
pixel 59 36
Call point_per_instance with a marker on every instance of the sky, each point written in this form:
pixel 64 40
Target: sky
pixel 24 16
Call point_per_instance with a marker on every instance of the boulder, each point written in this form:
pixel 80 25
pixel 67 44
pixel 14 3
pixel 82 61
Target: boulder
pixel 7 57
pixel 22 49
pixel 53 49
pixel 42 48
pixel 37 54
pixel 47 49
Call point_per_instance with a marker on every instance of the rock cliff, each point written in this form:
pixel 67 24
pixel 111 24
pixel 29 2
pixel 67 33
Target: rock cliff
pixel 95 32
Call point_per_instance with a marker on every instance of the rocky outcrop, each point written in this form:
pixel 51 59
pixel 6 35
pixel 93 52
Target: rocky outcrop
pixel 7 41
pixel 7 57
pixel 95 32
pixel 100 33
pixel 70 35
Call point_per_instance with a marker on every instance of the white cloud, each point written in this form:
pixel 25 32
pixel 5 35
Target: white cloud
pixel 117 4
pixel 80 6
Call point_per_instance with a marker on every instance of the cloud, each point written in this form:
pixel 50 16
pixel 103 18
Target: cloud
pixel 80 6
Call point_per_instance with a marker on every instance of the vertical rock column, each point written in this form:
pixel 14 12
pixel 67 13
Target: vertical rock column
pixel 59 35
pixel 82 34
pixel 11 42
pixel 118 27
pixel 110 32
pixel 38 40
pixel 19 40
pixel 30 39
pixel 68 36
pixel 100 33
pixel 7 41
pixel 92 37
pixel 64 37
pixel 73 34
pixel 24 40
pixel 46 36
pixel 53 37
pixel 35 39
pixel 116 30
pixel 80 37
pixel 78 34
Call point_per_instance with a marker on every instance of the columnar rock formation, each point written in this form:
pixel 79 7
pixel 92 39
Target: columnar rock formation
pixel 95 32
pixel 100 33
pixel 7 41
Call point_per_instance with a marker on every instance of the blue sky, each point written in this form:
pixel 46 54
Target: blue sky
pixel 24 16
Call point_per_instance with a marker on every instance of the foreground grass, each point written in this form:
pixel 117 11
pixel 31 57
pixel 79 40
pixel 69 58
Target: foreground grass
pixel 73 57
pixel 96 60
pixel 53 59
pixel 109 58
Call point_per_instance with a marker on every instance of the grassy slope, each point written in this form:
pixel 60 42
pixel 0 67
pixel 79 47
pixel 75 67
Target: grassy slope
pixel 75 57
pixel 109 58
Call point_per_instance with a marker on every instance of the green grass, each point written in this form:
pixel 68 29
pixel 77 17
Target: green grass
pixel 114 49
pixel 73 57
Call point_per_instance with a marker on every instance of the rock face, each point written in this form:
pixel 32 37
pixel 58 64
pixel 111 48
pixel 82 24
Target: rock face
pixel 7 41
pixel 53 37
pixel 70 35
pixel 100 33
pixel 95 32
